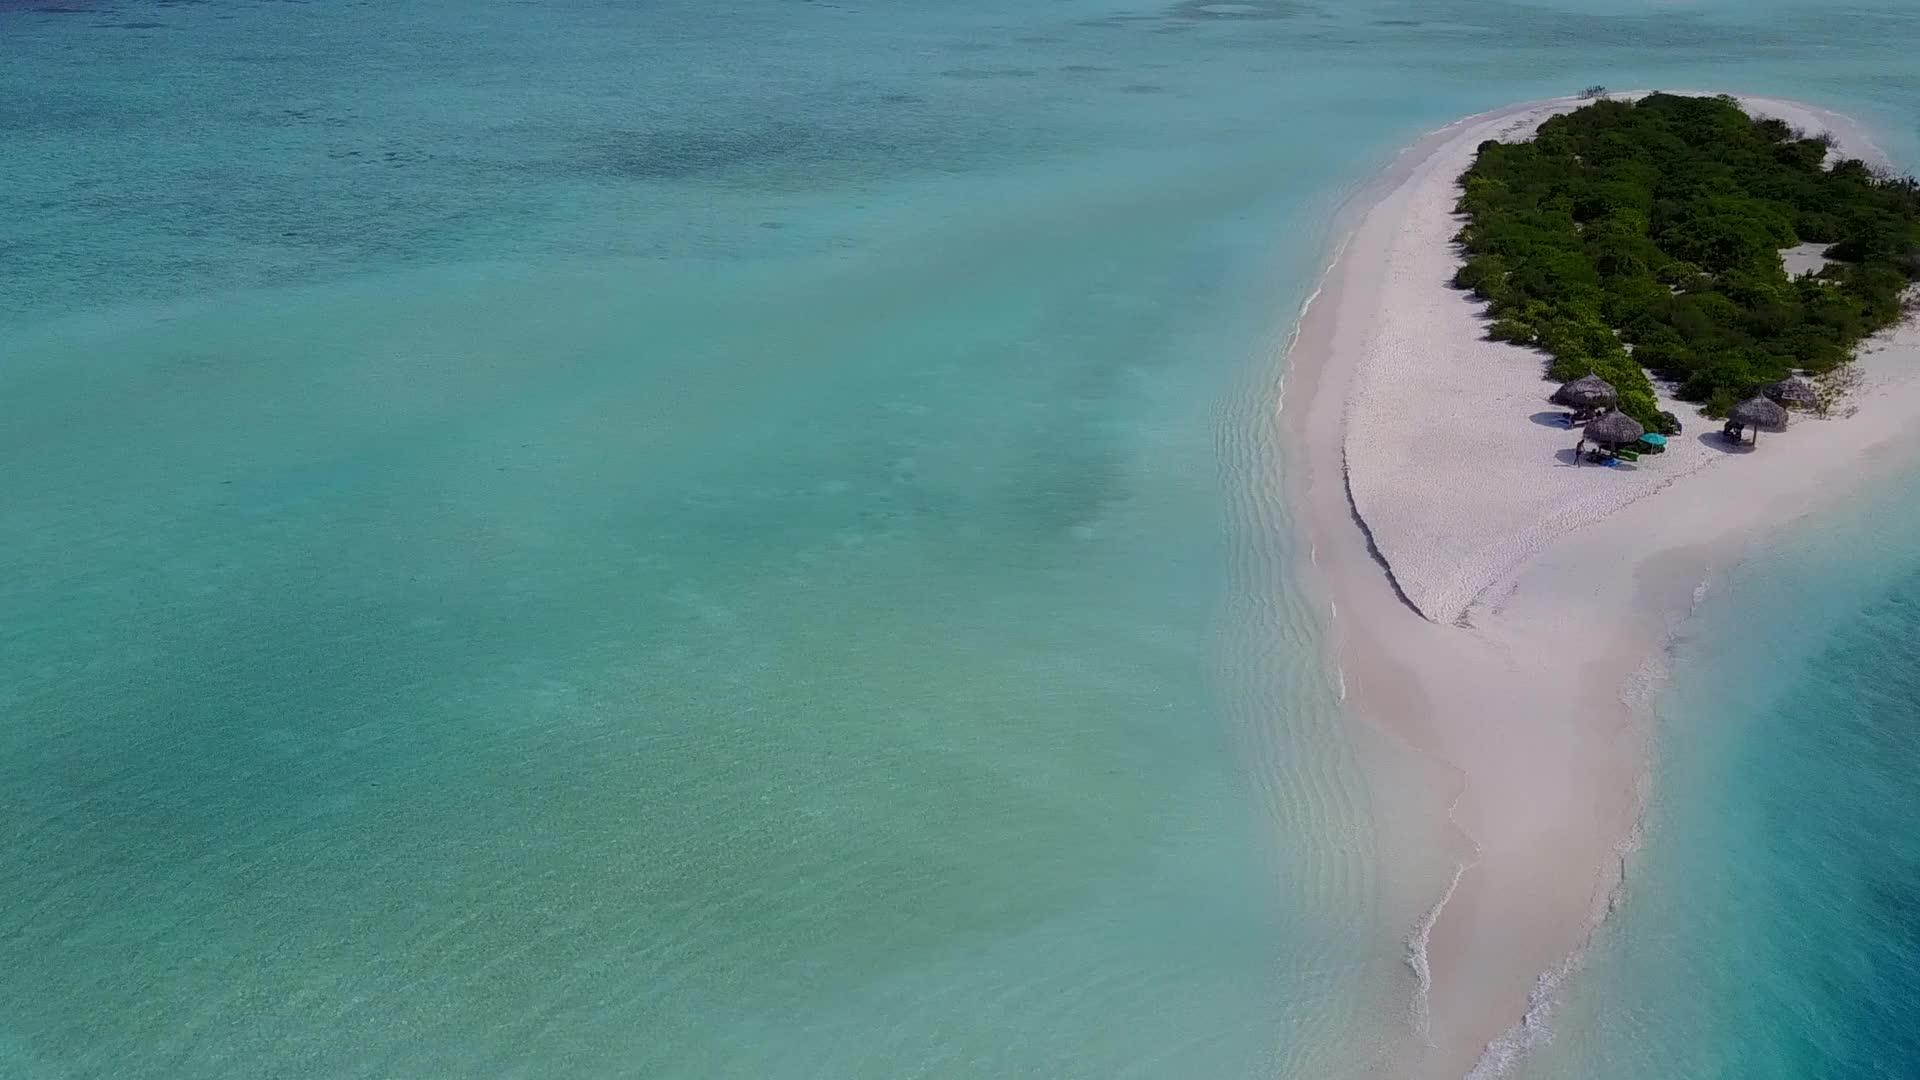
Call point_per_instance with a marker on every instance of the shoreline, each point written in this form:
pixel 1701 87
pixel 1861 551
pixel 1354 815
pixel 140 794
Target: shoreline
pixel 1515 645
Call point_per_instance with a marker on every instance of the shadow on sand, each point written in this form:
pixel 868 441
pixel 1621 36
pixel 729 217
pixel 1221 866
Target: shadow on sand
pixel 1552 420
pixel 1568 457
pixel 1726 444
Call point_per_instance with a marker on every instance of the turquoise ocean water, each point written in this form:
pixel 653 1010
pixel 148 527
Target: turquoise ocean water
pixel 635 539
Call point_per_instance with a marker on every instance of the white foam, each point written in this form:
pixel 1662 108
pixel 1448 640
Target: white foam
pixel 1420 1009
pixel 1532 1031
pixel 1699 596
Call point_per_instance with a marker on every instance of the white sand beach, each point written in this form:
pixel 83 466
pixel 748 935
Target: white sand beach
pixel 1546 592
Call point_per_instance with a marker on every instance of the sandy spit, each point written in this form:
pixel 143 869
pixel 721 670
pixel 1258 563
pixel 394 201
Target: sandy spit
pixel 1498 610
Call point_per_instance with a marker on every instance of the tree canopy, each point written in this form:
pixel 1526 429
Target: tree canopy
pixel 1628 236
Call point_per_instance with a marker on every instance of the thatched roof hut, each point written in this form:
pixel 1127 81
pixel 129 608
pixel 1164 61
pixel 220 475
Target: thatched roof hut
pixel 1589 391
pixel 1793 392
pixel 1757 413
pixel 1615 429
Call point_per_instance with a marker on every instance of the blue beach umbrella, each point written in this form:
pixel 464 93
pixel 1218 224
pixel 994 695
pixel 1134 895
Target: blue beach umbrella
pixel 1652 439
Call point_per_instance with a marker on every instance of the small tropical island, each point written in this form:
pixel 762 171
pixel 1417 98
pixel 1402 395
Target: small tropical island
pixel 1499 607
pixel 1635 236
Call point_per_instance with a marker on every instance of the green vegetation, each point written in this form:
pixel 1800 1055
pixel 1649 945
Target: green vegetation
pixel 1634 236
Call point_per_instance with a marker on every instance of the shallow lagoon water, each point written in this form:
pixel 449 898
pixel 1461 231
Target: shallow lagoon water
pixel 617 539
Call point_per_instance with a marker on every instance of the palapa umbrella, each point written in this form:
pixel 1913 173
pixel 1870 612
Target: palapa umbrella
pixel 1794 391
pixel 1759 414
pixel 1589 391
pixel 1615 429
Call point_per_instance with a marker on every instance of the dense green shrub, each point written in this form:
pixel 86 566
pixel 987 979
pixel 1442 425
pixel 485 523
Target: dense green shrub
pixel 1646 235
